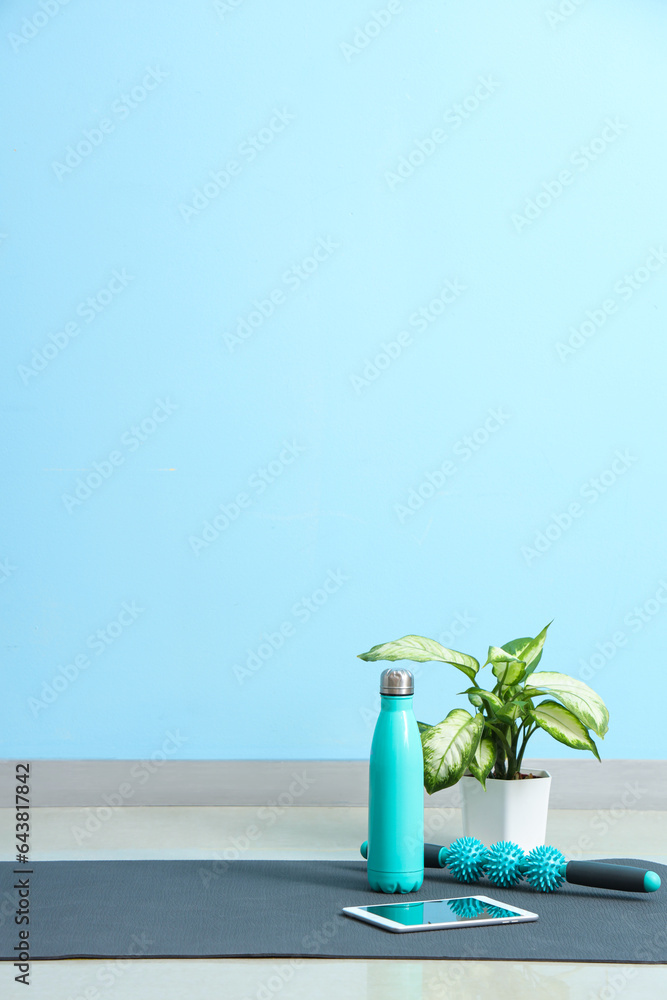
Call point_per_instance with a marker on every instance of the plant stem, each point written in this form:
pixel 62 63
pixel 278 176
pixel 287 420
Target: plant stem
pixel 499 769
pixel 499 734
pixel 505 765
pixel 527 734
pixel 511 756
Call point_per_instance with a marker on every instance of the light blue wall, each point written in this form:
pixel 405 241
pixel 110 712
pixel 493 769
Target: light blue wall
pixel 343 227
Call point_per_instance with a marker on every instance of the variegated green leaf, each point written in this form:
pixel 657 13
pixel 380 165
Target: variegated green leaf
pixel 509 712
pixel 448 747
pixel 421 649
pixel 498 655
pixel 482 761
pixel 528 650
pixel 423 726
pixel 582 700
pixel 509 672
pixel 565 727
pixel 479 696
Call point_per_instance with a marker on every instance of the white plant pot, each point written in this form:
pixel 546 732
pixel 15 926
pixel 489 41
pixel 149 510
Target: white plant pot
pixel 507 810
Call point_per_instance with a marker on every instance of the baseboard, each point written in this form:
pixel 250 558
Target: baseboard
pixel 576 784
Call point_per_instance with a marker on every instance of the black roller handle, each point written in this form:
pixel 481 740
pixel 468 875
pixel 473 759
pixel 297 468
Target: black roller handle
pixel 604 876
pixel 434 856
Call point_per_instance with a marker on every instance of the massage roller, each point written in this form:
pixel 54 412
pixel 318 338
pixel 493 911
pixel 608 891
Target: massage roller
pixel 544 868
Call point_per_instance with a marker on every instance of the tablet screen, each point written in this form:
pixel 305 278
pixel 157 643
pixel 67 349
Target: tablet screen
pixel 440 911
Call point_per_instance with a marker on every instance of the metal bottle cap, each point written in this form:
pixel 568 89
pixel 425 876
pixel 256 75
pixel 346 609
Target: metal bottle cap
pixel 397 681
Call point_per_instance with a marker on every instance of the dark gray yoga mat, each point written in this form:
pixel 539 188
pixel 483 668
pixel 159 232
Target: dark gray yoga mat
pixel 196 909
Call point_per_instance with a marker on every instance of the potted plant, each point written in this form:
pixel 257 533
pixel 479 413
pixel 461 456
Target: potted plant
pixel 486 748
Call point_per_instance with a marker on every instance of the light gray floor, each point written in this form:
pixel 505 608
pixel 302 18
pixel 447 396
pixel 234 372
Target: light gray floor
pixel 316 832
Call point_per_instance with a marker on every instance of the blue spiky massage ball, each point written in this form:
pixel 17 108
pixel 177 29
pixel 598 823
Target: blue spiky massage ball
pixel 542 868
pixel 468 907
pixel 466 859
pixel 496 911
pixel 503 863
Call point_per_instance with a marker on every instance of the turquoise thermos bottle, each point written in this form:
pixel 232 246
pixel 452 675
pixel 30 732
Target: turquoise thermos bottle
pixel 396 790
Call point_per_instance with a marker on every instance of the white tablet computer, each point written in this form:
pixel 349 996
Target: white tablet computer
pixel 440 914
